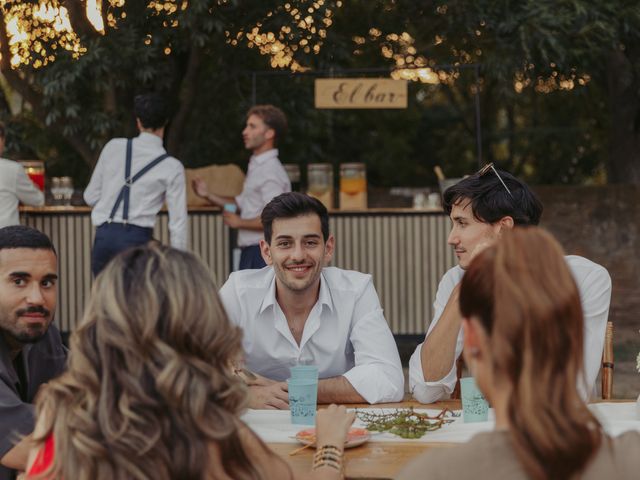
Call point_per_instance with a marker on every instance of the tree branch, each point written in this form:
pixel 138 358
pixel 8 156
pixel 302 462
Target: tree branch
pixel 188 90
pixel 78 18
pixel 20 83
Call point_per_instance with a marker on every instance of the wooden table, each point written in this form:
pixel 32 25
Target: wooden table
pixel 371 460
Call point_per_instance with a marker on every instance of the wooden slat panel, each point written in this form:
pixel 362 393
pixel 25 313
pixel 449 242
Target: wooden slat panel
pixel 406 254
pixel 72 235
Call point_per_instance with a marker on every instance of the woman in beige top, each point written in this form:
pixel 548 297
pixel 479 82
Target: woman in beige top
pixel 150 391
pixel 523 344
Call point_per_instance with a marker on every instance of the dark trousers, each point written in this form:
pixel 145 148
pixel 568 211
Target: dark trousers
pixel 250 257
pixel 113 238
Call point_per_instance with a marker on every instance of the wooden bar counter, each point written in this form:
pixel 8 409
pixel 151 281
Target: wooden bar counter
pixel 404 249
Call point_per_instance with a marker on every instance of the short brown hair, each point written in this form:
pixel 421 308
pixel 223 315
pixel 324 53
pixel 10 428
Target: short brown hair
pixel 273 117
pixel 3 132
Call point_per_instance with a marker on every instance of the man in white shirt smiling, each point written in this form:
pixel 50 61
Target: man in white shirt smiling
pixel 481 207
pixel 266 178
pixel 131 181
pixel 300 311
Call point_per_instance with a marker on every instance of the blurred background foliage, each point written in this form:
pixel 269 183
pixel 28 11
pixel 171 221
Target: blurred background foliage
pixel 558 82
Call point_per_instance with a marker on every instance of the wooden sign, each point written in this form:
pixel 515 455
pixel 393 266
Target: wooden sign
pixel 360 93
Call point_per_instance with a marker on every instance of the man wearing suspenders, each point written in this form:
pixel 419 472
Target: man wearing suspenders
pixel 131 181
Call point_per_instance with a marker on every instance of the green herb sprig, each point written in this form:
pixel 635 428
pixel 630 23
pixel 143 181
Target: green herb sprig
pixel 406 422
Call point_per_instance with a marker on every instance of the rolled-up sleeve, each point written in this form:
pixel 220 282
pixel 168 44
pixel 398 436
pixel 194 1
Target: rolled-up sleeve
pixel 377 374
pixel 429 392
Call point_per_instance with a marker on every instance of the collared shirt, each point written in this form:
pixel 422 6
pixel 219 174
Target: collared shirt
pixel 594 285
pixel 266 178
pixel 15 186
pixel 345 334
pixel 42 361
pixel 163 183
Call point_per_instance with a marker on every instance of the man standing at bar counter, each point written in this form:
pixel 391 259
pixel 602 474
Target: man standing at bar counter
pixel 131 181
pixel 31 351
pixel 15 187
pixel 481 207
pixel 301 311
pixel 266 178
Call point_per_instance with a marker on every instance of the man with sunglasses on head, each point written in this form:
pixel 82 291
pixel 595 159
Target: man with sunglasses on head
pixel 481 208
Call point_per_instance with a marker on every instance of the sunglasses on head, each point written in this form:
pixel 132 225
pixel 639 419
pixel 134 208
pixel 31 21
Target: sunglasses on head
pixel 489 167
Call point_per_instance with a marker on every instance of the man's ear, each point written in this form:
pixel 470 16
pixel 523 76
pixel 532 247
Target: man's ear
pixel 270 134
pixel 329 246
pixel 506 223
pixel 265 250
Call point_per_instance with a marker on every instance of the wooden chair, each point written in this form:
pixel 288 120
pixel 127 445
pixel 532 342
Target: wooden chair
pixel 606 372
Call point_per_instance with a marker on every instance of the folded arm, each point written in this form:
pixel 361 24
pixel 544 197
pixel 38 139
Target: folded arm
pixel 438 352
pixel 338 390
pixel 432 367
pixel 377 375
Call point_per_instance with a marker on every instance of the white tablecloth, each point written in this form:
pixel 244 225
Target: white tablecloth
pixel 274 426
pixel 616 418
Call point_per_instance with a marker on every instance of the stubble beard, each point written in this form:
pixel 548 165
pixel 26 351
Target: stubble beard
pixel 27 335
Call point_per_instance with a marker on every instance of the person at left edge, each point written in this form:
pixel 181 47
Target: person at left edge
pixel 15 187
pixel 124 212
pixel 31 350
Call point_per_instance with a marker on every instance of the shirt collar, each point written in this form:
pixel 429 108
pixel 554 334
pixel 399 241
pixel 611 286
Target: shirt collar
pixel 264 156
pixel 147 137
pixel 324 296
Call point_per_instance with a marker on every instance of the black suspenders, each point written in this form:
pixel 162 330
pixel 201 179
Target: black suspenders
pixel 123 196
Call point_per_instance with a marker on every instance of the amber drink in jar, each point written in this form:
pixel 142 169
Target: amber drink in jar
pixel 353 186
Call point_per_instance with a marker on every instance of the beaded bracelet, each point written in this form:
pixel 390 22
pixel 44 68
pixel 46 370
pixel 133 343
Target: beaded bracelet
pixel 329 456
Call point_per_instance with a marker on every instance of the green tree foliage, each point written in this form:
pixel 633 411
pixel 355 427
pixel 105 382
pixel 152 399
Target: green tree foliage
pixel 559 92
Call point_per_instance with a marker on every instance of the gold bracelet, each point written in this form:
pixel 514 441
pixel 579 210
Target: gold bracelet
pixel 329 447
pixel 328 455
pixel 337 464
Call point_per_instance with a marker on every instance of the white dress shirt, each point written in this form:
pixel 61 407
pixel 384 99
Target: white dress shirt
pixel 164 182
pixel 594 285
pixel 266 178
pixel 345 334
pixel 15 186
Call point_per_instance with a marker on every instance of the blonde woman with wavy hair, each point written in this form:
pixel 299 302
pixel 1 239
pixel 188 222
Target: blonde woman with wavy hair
pixel 523 342
pixel 150 392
